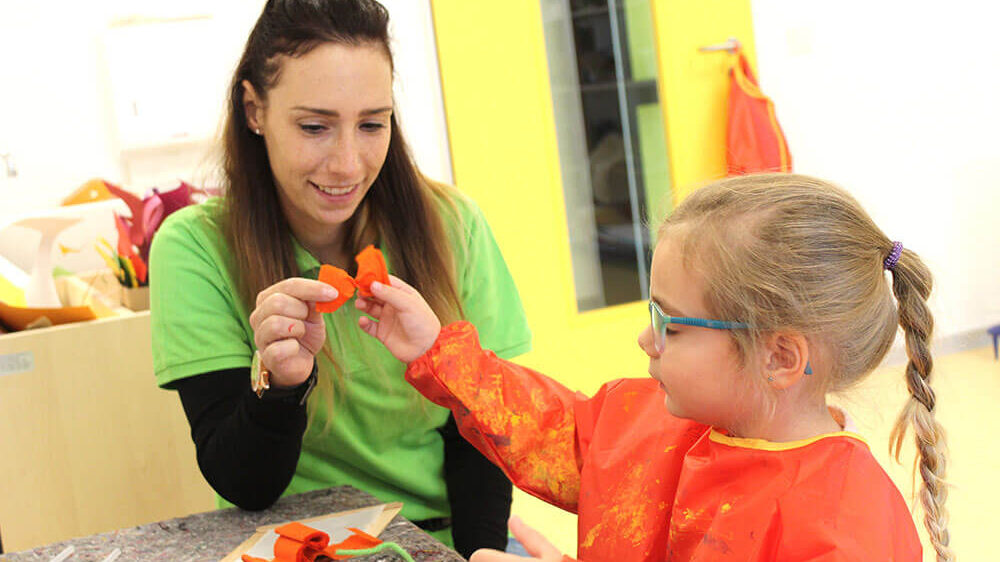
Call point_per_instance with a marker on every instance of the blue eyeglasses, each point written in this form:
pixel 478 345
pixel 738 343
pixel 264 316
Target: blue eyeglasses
pixel 659 321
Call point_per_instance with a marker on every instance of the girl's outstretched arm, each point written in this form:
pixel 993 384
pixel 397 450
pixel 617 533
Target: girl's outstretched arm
pixel 521 420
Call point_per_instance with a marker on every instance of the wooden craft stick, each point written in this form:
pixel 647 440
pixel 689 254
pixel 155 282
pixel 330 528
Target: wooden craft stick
pixel 66 553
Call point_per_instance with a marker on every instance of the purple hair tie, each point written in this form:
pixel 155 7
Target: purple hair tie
pixel 893 257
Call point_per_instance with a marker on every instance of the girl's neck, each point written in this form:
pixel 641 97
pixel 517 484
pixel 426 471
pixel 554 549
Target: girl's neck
pixel 792 424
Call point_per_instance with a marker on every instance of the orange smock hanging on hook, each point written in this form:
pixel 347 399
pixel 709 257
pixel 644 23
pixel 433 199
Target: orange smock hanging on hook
pixel 754 140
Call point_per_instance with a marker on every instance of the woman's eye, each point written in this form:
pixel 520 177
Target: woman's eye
pixel 372 127
pixel 312 129
pixel 671 331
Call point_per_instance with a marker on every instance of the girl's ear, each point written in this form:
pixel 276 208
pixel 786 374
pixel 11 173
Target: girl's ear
pixel 786 359
pixel 253 106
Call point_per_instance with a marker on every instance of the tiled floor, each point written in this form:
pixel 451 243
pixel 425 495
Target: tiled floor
pixel 967 385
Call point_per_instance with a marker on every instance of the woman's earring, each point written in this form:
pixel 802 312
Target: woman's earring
pixel 257 131
pixel 770 378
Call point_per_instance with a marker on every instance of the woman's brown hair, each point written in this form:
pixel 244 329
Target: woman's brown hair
pixel 791 252
pixel 402 210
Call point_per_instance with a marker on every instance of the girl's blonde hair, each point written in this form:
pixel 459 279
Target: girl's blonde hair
pixel 790 252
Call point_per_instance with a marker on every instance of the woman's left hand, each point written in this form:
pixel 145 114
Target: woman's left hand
pixel 404 322
pixel 537 546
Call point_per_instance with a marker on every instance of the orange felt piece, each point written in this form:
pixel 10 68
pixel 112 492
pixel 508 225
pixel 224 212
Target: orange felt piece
pixel 338 279
pixel 299 543
pixel 358 541
pixel 304 534
pixel 248 558
pixel 371 267
pixel 291 550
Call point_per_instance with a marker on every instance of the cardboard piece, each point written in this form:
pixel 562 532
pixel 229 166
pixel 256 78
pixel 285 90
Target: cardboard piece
pixel 372 520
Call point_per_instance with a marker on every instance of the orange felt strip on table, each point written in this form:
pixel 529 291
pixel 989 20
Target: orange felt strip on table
pixel 248 558
pixel 304 534
pixel 371 267
pixel 338 279
pixel 291 550
pixel 298 543
pixel 360 540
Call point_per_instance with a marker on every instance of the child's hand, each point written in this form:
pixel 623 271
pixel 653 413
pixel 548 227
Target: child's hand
pixel 537 546
pixel 404 322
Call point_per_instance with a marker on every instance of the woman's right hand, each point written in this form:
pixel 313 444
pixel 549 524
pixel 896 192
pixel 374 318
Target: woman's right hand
pixel 288 330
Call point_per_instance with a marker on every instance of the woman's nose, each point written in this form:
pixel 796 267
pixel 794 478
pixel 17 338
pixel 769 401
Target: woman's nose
pixel 344 160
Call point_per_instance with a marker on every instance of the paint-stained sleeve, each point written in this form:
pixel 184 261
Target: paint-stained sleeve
pixel 520 419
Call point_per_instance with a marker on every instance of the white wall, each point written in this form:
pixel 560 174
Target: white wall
pixel 57 117
pixel 897 102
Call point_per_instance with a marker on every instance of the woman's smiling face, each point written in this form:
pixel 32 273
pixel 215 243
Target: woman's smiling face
pixel 326 124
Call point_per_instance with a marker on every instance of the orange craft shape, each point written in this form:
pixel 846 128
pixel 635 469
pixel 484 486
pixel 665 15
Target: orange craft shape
pixel 371 268
pixel 338 279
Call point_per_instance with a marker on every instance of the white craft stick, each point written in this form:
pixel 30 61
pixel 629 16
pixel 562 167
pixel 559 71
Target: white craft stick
pixel 113 556
pixel 66 553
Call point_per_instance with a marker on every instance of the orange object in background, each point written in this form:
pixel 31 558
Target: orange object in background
pixel 371 268
pixel 19 318
pixel 93 190
pixel 338 279
pixel 754 140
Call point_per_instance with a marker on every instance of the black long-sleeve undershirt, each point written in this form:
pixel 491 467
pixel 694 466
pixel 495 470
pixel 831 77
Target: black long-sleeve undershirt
pixel 248 449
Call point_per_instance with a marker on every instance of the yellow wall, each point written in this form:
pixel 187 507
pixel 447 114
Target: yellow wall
pixel 498 106
pixel 695 85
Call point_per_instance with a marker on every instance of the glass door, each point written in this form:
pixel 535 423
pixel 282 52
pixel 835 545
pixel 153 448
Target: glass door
pixel 612 149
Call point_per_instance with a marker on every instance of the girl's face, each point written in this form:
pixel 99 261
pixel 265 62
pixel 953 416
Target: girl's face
pixel 326 125
pixel 699 368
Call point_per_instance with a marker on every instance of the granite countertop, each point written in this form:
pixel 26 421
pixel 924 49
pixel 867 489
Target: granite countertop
pixel 208 537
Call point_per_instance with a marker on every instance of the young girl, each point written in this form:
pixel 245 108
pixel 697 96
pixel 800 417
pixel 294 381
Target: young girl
pixel 767 293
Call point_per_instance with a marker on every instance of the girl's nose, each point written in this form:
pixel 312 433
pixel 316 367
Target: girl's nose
pixel 646 342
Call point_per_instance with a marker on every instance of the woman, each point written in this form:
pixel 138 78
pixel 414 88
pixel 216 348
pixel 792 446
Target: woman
pixel 317 169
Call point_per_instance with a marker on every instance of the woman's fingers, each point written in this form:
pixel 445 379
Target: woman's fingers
pixel 278 352
pixel 279 304
pixel 274 328
pixel 300 288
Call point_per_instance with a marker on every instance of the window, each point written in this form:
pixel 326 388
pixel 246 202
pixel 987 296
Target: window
pixel 612 148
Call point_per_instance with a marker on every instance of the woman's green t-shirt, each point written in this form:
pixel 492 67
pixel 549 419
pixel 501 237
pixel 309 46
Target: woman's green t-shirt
pixel 383 438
